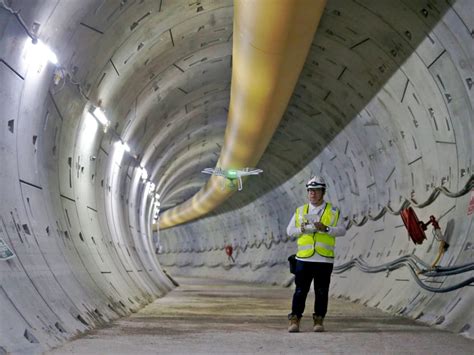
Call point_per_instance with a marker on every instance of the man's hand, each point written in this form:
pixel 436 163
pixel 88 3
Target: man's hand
pixel 319 226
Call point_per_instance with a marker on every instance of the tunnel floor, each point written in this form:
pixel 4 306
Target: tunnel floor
pixel 205 316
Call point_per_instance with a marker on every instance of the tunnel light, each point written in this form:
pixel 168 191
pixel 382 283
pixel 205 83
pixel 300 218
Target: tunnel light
pixel 157 196
pixel 152 187
pixel 144 174
pixel 43 51
pixel 90 127
pixel 39 53
pixel 100 116
pixel 156 211
pixel 120 149
pixel 148 188
pixel 155 215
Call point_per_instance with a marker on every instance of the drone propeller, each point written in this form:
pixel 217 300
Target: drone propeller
pixel 254 172
pixel 208 171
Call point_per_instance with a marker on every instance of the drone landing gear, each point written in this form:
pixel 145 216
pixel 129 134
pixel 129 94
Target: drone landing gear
pixel 232 184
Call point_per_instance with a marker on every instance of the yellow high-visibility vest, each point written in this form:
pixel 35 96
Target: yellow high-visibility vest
pixel 319 242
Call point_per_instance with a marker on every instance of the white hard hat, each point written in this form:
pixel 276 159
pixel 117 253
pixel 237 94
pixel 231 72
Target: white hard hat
pixel 316 182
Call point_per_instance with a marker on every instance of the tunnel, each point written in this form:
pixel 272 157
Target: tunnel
pixel 110 111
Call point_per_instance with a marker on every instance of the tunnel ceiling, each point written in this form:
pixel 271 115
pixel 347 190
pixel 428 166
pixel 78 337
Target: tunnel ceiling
pixel 164 81
pixel 163 76
pixel 162 69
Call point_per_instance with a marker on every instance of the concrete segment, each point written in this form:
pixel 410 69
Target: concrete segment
pixel 383 110
pixel 205 316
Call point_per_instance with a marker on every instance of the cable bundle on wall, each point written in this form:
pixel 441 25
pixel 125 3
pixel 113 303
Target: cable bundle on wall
pixel 433 196
pixel 413 263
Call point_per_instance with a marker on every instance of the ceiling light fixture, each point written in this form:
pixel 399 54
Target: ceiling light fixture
pixel 39 52
pixel 100 116
pixel 144 174
pixel 125 147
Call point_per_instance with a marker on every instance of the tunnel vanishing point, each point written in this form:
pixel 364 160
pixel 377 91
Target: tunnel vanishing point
pixel 110 110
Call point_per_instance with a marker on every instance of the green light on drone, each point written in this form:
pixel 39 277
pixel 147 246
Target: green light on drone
pixel 232 173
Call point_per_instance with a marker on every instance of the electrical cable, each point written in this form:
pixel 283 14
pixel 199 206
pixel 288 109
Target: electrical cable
pixel 408 260
pixel 459 270
pixel 436 192
pixel 407 202
pixel 412 262
pixel 415 264
pixel 440 290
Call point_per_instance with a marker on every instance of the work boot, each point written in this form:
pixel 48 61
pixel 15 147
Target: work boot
pixel 294 326
pixel 318 324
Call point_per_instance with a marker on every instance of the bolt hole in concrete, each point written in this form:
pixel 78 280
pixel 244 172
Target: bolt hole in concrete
pixel 205 316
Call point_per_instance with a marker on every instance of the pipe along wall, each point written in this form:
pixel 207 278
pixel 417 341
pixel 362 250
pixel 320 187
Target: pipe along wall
pixel 382 109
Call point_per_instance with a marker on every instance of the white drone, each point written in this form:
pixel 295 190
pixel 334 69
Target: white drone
pixel 232 174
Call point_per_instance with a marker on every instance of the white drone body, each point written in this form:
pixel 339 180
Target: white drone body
pixel 232 174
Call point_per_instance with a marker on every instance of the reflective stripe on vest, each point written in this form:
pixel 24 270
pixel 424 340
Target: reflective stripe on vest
pixel 319 242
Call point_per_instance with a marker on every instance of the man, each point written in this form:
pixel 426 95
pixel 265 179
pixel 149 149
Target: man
pixel 315 225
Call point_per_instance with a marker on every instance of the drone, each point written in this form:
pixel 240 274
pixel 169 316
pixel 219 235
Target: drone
pixel 232 174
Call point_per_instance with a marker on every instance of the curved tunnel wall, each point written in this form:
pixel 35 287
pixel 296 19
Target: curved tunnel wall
pixel 383 109
pixel 409 130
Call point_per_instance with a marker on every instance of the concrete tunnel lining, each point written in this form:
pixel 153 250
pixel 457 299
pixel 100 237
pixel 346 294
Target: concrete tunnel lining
pixel 386 90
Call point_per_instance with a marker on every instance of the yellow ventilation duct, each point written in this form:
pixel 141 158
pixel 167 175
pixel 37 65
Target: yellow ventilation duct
pixel 270 44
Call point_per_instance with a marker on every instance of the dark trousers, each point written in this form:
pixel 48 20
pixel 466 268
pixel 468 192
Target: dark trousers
pixel 305 273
